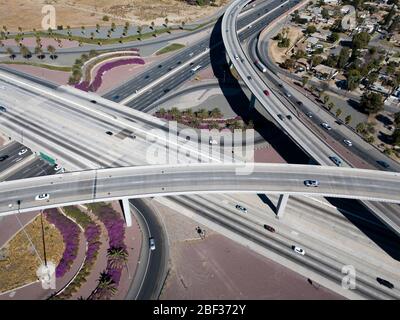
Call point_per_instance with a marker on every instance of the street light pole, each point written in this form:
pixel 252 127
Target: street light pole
pixel 44 243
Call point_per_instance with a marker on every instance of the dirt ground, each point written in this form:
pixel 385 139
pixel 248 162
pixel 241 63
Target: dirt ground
pixel 219 268
pixel 279 54
pixel 76 13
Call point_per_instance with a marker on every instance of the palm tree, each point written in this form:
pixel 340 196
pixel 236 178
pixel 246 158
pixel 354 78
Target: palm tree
pixel 216 113
pixel 25 52
pixel 113 27
pixel 117 257
pixel 166 22
pixel 97 28
pixel 52 51
pixel 182 24
pixel 92 35
pixel 39 52
pixel 11 53
pixel 83 29
pixel 152 25
pixel 139 30
pixel 105 288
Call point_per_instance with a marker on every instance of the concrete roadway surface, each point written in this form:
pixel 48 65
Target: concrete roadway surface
pixel 272 106
pixel 173 71
pixel 11 150
pixel 72 130
pixel 330 241
pixel 146 181
pixel 153 270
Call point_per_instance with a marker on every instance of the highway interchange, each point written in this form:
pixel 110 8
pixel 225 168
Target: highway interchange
pixel 83 144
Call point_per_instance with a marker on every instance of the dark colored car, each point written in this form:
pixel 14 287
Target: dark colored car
pixel 2 109
pixel 289 117
pixel 383 164
pixel 299 103
pixel 266 92
pixel 281 117
pixel 2 158
pixel 109 133
pixel 385 283
pixel 269 228
pixel 93 101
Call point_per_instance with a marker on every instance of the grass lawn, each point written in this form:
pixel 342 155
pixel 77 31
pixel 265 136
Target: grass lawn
pixel 170 48
pixel 40 65
pixel 21 261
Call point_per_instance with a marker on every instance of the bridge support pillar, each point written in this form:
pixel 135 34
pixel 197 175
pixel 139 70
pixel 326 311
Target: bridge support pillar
pixel 280 208
pixel 126 208
pixel 253 100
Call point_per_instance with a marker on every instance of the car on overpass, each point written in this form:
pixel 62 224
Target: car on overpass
pixel 269 228
pixel 311 183
pixel 336 160
pixel 41 197
pixel 241 208
pixel 385 283
pixel 2 109
pixel 2 158
pixel 298 250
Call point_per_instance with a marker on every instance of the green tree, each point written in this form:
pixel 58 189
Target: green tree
pixel 353 79
pixel 343 57
pixel 304 80
pixel 338 112
pixel 396 137
pixel 325 13
pixel 331 105
pixel 371 102
pixel 396 119
pixel 360 40
pixel 316 60
pixel 333 37
pixel 347 120
pixel 311 29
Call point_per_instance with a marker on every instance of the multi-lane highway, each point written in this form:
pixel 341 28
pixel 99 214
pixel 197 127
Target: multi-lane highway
pixel 272 106
pixel 147 88
pixel 146 181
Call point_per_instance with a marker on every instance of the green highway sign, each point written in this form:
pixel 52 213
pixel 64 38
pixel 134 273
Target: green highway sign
pixel 47 158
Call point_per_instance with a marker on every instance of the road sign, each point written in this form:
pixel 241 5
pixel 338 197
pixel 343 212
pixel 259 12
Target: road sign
pixel 47 158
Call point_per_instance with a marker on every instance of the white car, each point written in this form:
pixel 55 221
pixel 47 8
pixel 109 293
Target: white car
pixel 236 57
pixel 22 152
pixel 152 244
pixel 326 126
pixel 213 141
pixel 348 143
pixel 311 183
pixel 298 250
pixel 44 196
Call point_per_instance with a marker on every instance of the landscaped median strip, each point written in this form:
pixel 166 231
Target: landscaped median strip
pixel 92 235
